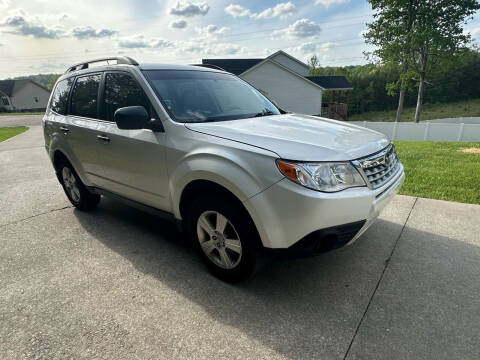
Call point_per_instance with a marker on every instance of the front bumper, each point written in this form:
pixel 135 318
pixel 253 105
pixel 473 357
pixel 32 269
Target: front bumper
pixel 286 212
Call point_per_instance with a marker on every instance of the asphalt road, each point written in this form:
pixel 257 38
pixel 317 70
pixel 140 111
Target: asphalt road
pixel 117 283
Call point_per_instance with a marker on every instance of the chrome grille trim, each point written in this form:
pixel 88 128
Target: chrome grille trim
pixel 379 168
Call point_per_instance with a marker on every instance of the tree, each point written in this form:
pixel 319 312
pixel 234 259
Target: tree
pixel 314 64
pixel 391 34
pixel 52 81
pixel 438 32
pixel 413 33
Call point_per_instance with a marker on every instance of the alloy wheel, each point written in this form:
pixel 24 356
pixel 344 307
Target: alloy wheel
pixel 219 240
pixel 71 184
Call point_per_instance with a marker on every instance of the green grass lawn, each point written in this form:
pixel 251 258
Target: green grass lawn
pixel 440 170
pixel 470 108
pixel 9 132
pixel 22 113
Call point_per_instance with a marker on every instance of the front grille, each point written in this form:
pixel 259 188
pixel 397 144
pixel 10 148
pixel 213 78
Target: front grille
pixel 379 168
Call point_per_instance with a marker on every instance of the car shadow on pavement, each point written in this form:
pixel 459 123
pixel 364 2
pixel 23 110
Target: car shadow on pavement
pixel 306 308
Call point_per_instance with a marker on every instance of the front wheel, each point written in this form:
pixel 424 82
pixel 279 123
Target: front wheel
pixel 224 236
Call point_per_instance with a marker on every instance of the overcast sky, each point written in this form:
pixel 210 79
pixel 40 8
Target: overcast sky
pixel 39 36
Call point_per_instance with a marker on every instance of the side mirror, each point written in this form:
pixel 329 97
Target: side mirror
pixel 131 118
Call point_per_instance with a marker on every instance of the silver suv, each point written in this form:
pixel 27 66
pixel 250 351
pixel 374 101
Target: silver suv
pixel 200 146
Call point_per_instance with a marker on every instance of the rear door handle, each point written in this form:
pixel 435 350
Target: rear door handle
pixel 64 129
pixel 103 138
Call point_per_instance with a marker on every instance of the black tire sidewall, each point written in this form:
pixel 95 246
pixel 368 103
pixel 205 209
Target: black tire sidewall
pixel 87 200
pixel 242 224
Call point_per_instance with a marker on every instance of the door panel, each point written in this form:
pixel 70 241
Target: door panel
pixel 80 126
pixel 81 139
pixel 134 164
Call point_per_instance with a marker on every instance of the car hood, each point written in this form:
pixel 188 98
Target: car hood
pixel 299 137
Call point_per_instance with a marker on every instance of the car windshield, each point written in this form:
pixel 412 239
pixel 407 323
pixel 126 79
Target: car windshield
pixel 202 96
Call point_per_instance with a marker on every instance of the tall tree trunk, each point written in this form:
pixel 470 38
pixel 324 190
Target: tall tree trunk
pixel 421 85
pixel 403 88
pixel 401 98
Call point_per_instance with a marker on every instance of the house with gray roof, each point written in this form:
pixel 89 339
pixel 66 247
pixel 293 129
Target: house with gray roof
pixel 23 95
pixel 287 81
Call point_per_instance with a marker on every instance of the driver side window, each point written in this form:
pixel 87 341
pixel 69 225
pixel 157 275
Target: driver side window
pixel 122 90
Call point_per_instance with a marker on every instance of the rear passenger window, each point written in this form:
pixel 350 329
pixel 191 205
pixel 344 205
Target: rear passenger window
pixel 60 96
pixel 121 90
pixel 84 96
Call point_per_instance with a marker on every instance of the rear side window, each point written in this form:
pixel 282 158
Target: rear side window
pixel 122 90
pixel 84 96
pixel 60 96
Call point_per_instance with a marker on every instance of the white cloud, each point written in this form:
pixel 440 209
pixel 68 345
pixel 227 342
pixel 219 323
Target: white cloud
pixel 237 10
pixel 204 48
pixel 4 4
pixel 21 25
pixel 141 42
pixel 328 3
pixel 302 28
pixel 312 48
pixel 212 30
pixel 189 9
pixel 280 10
pixel 90 33
pixel 178 24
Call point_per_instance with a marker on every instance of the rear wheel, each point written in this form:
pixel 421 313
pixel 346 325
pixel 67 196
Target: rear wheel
pixel 75 190
pixel 224 236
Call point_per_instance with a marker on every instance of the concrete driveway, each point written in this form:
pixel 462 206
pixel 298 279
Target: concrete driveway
pixel 117 283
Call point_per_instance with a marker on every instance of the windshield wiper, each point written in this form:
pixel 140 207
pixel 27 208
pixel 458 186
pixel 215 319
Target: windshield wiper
pixel 265 112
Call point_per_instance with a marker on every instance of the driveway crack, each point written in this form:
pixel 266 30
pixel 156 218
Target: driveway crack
pixel 387 262
pixel 36 215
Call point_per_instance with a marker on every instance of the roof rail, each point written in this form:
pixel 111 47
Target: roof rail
pixel 85 64
pixel 210 66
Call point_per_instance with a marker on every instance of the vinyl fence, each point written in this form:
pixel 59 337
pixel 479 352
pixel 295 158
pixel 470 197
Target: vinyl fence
pixel 427 131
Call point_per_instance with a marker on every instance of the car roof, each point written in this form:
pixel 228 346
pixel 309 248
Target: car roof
pixel 124 63
pixel 155 66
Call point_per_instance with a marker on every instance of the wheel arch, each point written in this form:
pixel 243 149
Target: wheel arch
pixel 58 156
pixel 201 187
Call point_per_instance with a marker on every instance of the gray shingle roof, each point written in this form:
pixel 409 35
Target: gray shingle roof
pixel 238 66
pixel 6 87
pixel 331 82
pixel 234 66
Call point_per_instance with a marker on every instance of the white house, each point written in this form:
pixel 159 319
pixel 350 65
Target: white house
pixel 21 95
pixel 285 79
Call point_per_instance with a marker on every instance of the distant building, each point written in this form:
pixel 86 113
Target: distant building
pixel 285 80
pixel 23 95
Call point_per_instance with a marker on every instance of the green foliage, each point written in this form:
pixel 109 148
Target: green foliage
pixel 417 33
pixel 52 81
pixel 428 176
pixel 452 79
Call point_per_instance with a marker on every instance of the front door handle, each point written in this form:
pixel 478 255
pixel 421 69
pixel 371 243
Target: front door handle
pixel 103 138
pixel 64 129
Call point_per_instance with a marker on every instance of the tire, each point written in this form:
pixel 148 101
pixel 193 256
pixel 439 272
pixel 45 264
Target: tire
pixel 75 190
pixel 238 241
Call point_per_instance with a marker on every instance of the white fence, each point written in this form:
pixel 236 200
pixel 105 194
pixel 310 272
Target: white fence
pixel 428 131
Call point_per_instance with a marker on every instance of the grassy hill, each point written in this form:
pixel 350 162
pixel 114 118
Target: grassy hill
pixel 429 112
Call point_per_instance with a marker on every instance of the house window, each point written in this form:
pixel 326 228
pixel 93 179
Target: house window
pixel 5 101
pixel 36 99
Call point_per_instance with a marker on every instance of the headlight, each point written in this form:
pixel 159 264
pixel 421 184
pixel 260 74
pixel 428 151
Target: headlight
pixel 327 177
